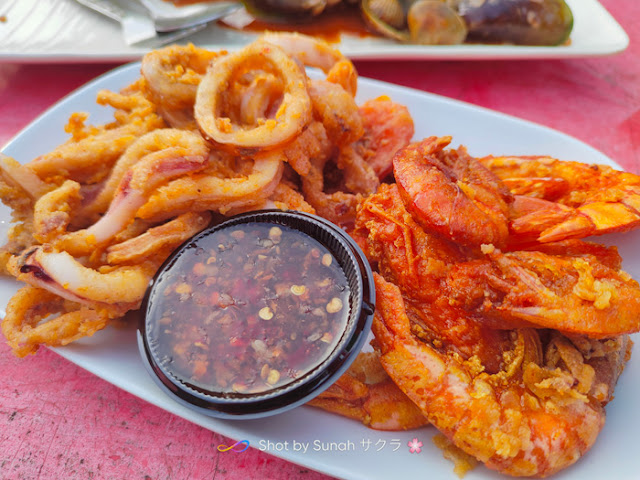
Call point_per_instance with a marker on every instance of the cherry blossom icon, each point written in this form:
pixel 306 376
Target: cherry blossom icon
pixel 415 446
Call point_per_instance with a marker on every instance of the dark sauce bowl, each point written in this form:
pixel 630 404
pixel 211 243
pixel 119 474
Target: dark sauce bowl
pixel 166 360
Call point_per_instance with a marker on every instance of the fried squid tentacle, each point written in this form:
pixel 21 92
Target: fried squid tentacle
pixel 337 111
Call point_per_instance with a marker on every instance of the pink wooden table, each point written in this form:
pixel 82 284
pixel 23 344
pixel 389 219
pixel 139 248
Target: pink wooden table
pixel 60 422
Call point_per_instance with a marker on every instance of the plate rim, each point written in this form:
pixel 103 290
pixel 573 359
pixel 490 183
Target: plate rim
pixel 381 52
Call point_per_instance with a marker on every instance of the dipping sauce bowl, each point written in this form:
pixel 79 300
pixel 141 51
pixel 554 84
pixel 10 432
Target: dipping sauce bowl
pixel 257 314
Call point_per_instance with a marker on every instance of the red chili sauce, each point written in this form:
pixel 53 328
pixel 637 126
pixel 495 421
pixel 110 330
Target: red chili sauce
pixel 252 308
pixel 329 25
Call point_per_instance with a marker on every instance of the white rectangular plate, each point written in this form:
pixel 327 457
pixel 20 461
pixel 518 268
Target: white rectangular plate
pixel 113 354
pixel 64 31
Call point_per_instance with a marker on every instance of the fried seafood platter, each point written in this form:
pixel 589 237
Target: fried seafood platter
pixel 497 324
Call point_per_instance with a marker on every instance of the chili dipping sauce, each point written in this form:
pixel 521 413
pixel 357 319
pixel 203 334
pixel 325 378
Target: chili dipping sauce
pixel 249 308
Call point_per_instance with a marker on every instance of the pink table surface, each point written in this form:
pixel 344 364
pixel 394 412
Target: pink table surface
pixel 59 422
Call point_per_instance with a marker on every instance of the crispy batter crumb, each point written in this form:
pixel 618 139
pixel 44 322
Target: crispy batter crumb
pixel 462 461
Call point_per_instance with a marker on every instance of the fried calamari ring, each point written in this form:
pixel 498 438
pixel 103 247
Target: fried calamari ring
pixel 263 91
pixel 203 191
pixel 89 154
pixel 312 52
pixel 173 73
pixel 171 77
pixel 25 331
pixel 52 211
pixel 344 74
pixel 119 289
pixel 18 176
pixel 158 240
pixel 217 114
pixel 158 144
pixel 90 159
pixel 308 50
pixel 285 197
pixel 172 153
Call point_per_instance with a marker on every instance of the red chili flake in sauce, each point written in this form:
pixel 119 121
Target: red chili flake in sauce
pixel 250 308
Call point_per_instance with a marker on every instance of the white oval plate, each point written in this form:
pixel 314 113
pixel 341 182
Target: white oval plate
pixel 49 31
pixel 112 354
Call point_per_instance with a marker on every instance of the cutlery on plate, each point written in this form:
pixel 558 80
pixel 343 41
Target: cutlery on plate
pixel 137 28
pixel 168 17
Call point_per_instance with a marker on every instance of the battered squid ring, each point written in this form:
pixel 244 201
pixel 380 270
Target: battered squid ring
pixel 25 331
pixel 212 101
pixel 117 290
pixel 165 154
pixel 17 175
pixel 158 144
pixel 173 73
pixel 200 192
pixel 90 153
pixel 158 240
pixel 52 211
pixel 312 52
